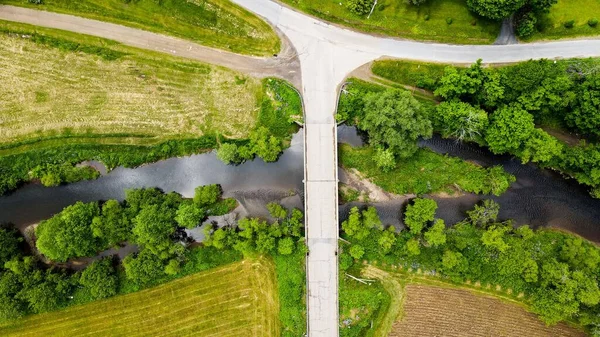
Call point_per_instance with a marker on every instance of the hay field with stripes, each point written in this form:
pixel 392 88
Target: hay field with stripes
pixel 446 312
pixel 49 90
pixel 239 299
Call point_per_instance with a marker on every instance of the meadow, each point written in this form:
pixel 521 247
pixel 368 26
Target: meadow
pixel 238 299
pixel 83 85
pixel 552 24
pixel 213 23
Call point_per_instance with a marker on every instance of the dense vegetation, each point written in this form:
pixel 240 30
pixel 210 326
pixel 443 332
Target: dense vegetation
pixel 554 273
pixel 54 123
pixel 147 218
pixel 517 103
pixel 154 223
pixel 394 120
pixel 282 239
pixel 214 23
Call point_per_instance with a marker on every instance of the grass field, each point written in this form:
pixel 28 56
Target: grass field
pixel 399 19
pixel 239 299
pixel 424 172
pixel 84 86
pixel 552 27
pixel 214 23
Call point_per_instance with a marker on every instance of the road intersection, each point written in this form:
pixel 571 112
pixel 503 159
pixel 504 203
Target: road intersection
pixel 316 57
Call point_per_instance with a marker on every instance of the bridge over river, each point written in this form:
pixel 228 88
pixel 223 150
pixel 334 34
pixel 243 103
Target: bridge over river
pixel 326 55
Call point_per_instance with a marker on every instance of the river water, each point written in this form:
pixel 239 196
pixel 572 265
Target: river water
pixel 539 197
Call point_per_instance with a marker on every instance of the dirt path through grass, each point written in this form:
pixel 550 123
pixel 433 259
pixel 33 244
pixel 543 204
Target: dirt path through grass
pixel 285 65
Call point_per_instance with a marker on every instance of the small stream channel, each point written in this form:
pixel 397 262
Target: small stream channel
pixel 539 197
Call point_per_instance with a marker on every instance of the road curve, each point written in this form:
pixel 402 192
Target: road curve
pixel 285 65
pixel 327 55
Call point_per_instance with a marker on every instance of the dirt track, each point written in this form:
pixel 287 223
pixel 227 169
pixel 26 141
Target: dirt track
pixel 285 65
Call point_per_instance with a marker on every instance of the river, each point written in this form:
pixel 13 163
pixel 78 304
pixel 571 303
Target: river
pixel 539 197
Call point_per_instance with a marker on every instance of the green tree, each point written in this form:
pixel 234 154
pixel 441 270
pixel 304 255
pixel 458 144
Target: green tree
pixel 10 306
pixel 530 271
pixel 387 240
pixel 436 235
pixel 452 260
pixel 285 246
pixel 189 215
pixel 143 268
pixel 113 225
pixel 484 213
pixel 419 213
pixel 207 195
pixel 276 210
pixel 510 128
pixel 413 247
pixel 384 159
pixel 173 267
pixel 264 144
pixel 461 120
pixel 228 153
pixel 359 7
pixel 495 9
pixel 153 229
pixel 395 120
pixel 494 238
pixel 100 279
pixel 540 148
pixel 359 225
pixel 461 83
pixel 68 234
pixel 585 116
pixel 357 251
pixel 9 244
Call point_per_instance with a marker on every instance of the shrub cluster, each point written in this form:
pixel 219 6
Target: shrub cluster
pixel 554 272
pixel 148 218
pixel 516 99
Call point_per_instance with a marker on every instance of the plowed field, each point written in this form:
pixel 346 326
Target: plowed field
pixel 440 312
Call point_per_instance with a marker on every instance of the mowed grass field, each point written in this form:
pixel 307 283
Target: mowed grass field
pixel 55 84
pixel 552 26
pixel 400 19
pixel 236 300
pixel 214 23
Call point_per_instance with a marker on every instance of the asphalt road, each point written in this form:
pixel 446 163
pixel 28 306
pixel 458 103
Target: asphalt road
pixel 327 54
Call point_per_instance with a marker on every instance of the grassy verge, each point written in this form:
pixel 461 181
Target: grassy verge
pixel 233 300
pixel 427 172
pixel 362 306
pixel 120 105
pixel 397 18
pixel 214 23
pixel 291 282
pixel 552 25
pixel 416 74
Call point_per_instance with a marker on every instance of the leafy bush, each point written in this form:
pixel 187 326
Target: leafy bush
pixel 526 24
pixel 569 24
pixel 592 22
pixel 449 21
pixel 359 7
